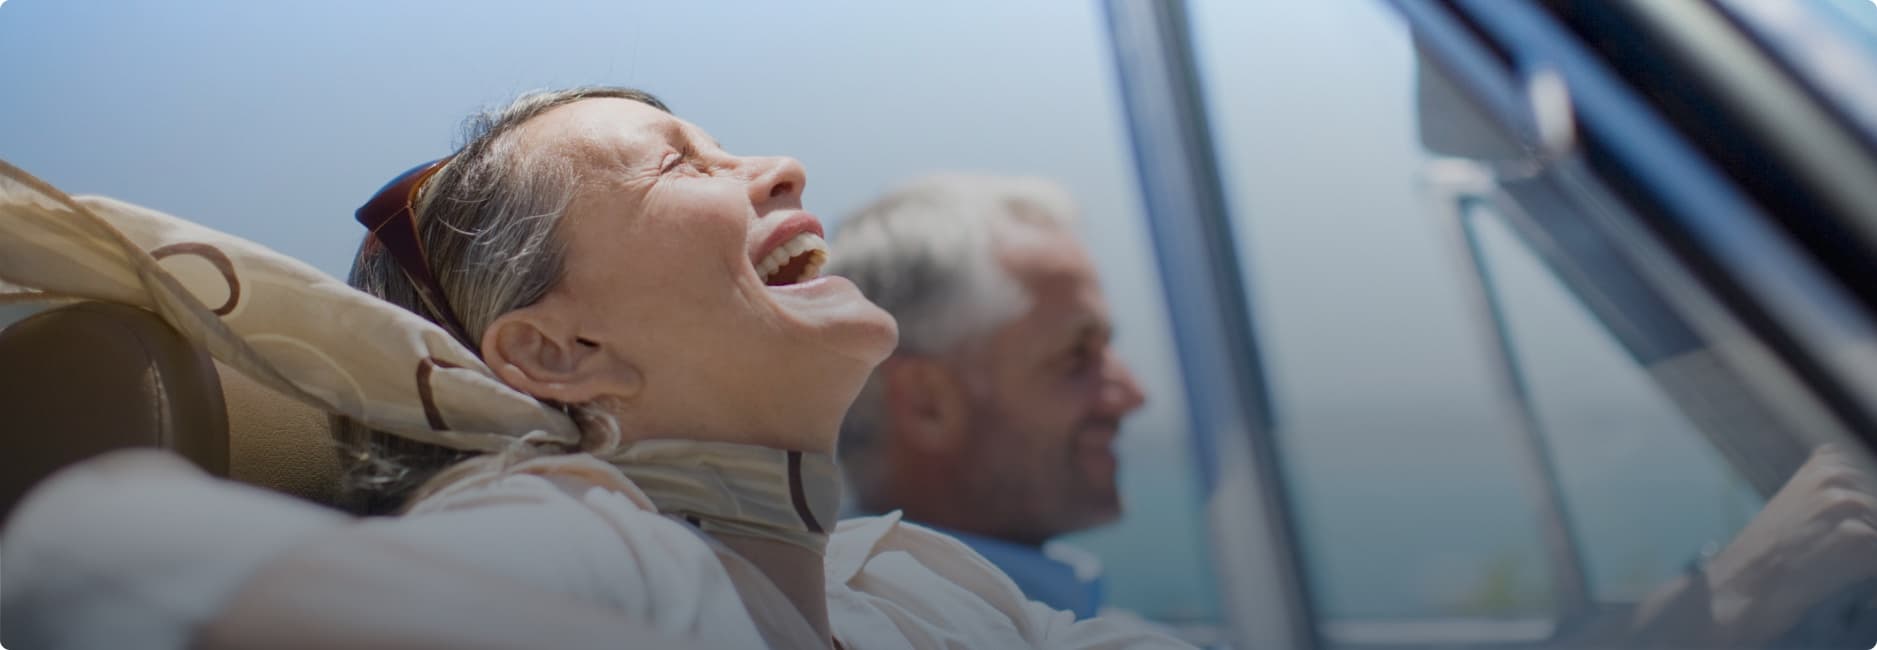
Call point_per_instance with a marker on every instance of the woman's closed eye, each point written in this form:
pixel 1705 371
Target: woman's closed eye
pixel 684 156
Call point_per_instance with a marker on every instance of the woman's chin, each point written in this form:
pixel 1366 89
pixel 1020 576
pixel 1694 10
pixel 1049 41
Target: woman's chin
pixel 831 312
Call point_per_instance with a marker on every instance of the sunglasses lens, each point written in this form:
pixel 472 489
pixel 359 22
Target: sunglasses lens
pixel 388 216
pixel 394 197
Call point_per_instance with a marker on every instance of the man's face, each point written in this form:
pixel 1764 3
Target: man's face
pixel 1047 395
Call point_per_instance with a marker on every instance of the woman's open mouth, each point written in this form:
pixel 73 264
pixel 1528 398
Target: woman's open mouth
pixel 796 261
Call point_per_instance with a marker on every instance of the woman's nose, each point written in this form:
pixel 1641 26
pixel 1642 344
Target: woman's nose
pixel 777 180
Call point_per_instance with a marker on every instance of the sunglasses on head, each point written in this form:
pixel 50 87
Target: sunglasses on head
pixel 391 218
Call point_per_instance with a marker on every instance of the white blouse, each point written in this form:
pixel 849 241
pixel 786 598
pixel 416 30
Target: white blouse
pixel 138 549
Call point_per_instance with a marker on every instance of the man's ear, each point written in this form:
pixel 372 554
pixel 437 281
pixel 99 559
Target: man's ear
pixel 926 403
pixel 539 353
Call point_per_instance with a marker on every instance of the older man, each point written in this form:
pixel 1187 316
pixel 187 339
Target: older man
pixel 995 420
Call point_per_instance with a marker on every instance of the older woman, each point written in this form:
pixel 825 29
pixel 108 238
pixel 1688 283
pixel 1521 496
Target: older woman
pixel 614 261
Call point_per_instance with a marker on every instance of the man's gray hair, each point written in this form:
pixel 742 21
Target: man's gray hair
pixel 923 252
pixel 488 223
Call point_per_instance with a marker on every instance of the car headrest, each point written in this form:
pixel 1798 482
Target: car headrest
pixel 88 378
pixel 278 442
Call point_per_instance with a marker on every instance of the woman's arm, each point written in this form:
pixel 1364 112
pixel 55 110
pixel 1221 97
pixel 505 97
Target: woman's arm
pixel 357 590
pixel 139 549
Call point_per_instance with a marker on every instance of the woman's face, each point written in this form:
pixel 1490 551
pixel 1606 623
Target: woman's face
pixel 691 305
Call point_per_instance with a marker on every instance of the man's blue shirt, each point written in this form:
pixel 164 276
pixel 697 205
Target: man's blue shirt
pixel 1055 574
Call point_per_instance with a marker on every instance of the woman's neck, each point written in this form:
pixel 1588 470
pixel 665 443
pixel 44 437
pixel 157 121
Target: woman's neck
pixel 795 570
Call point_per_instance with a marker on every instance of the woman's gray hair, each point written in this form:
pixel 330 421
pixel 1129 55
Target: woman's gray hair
pixel 923 252
pixel 488 222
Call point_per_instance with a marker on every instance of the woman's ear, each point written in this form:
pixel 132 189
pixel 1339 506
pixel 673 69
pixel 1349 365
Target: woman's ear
pixel 926 405
pixel 540 354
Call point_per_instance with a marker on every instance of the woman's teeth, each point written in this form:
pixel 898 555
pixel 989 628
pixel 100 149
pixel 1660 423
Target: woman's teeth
pixel 798 260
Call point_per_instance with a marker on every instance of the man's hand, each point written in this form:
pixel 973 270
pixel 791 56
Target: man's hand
pixel 1817 536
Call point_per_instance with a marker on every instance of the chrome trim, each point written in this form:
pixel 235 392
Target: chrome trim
pixel 1266 596
pixel 1832 162
pixel 1818 51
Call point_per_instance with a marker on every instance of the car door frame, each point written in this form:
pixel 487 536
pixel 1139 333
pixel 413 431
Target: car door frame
pixel 1688 208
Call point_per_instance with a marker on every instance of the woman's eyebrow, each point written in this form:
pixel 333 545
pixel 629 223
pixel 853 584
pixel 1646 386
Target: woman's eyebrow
pixel 674 135
pixel 670 134
pixel 681 131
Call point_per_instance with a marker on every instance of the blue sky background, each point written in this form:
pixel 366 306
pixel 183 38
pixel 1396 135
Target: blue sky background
pixel 274 120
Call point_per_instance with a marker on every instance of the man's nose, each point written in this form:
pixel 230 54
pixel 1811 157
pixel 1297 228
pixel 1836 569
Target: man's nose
pixel 1121 393
pixel 776 181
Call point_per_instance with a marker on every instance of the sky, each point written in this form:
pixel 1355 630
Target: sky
pixel 273 121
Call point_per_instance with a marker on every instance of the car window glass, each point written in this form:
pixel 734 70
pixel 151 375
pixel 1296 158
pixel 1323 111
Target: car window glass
pixel 1410 493
pixel 1645 492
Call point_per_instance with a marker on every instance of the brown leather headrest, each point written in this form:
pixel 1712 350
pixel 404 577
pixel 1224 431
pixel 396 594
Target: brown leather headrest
pixel 278 442
pixel 86 378
pixel 83 379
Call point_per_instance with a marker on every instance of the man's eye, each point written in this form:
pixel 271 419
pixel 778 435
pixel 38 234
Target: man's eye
pixel 1081 359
